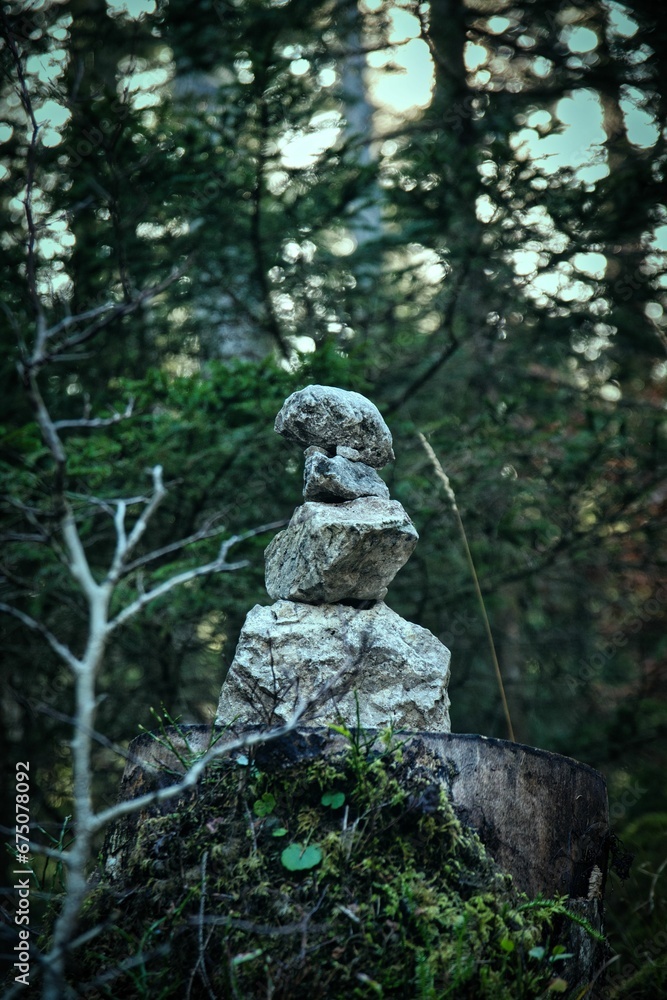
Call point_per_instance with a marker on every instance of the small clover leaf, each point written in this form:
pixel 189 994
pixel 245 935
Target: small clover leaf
pixel 265 805
pixel 333 799
pixel 298 857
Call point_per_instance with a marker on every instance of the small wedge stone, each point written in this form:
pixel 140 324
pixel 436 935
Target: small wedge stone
pixel 333 480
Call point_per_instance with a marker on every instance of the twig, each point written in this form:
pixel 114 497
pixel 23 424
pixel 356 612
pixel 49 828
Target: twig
pixel 201 963
pixel 218 749
pixel 94 422
pixel 125 545
pixel 62 651
pixel 41 356
pixel 218 565
pixel 82 317
pixel 444 479
pixel 203 534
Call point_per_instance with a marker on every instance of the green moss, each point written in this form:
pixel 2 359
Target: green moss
pixel 401 901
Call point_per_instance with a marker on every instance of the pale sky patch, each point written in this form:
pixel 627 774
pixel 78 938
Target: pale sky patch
pixel 133 9
pixel 300 149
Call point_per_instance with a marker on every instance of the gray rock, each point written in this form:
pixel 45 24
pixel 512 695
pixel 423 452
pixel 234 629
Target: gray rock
pixel 336 552
pixel 339 421
pixel 288 653
pixel 332 480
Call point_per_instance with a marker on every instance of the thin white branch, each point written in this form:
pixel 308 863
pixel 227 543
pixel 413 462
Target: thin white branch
pixel 95 422
pixel 107 504
pixel 159 493
pixel 63 651
pixel 192 776
pixel 218 565
pixel 219 749
pixel 125 545
pixel 82 317
pixel 78 563
pixel 121 540
pixel 198 536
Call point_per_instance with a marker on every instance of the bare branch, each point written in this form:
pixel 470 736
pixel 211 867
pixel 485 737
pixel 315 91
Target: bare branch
pixel 63 651
pixel 18 536
pixel 67 321
pixel 78 561
pixel 91 423
pixel 141 524
pixel 207 531
pixel 218 565
pixel 219 749
pixel 41 356
pixel 47 427
pixel 125 545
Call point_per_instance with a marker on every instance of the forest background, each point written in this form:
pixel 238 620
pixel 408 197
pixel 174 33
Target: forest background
pixel 456 208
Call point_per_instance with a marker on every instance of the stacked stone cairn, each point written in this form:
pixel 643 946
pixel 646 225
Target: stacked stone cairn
pixel 329 639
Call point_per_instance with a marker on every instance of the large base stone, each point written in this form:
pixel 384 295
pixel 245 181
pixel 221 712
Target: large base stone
pixel 396 672
pixel 337 552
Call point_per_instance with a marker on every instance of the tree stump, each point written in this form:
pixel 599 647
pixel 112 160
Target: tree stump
pixel 541 816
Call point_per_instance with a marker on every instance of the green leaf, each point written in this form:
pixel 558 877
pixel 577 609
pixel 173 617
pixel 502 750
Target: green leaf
pixel 557 986
pixel 333 799
pixel 298 857
pixel 265 805
pixel 537 952
pixel 279 832
pixel 507 945
pixel 341 730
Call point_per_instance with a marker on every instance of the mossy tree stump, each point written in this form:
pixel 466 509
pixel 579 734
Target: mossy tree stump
pixel 403 893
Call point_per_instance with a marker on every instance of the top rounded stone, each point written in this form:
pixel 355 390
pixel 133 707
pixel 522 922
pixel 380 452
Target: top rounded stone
pixel 338 421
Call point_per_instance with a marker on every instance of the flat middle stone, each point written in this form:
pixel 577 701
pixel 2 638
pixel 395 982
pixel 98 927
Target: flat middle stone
pixel 336 552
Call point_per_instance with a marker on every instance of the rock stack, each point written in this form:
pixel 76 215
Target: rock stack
pixel 329 638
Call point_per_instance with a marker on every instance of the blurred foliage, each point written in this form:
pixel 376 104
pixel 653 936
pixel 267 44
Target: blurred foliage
pixel 500 292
